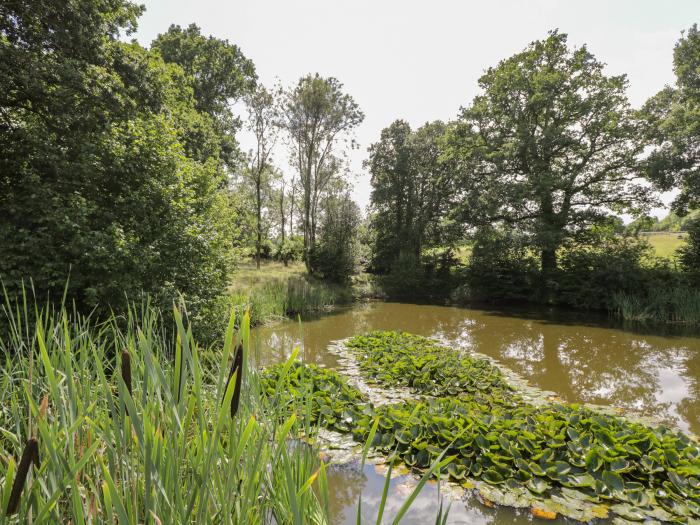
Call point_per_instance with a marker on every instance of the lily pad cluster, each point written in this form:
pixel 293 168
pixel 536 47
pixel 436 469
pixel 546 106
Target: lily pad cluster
pixel 422 364
pixel 332 403
pixel 566 453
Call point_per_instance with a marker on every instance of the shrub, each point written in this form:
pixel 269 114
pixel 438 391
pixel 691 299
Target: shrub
pixel 501 267
pixel 689 254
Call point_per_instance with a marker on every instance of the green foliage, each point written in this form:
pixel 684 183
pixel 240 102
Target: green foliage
pixel 501 268
pixel 412 193
pixel 292 249
pixel 335 257
pixel 549 146
pixel 668 302
pixel 288 298
pixel 399 358
pixel 318 116
pixel 673 126
pixel 111 179
pixel 593 273
pixel 689 254
pixel 547 450
pixel 332 402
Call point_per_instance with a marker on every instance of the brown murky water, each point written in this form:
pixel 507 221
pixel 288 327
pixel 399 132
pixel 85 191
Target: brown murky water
pixel 580 359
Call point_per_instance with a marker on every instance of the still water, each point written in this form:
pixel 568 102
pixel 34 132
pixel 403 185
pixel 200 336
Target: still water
pixel 579 359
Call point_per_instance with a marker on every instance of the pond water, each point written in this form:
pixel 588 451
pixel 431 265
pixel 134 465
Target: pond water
pixel 578 358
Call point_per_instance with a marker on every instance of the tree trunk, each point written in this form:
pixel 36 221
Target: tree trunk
pixel 548 269
pixel 259 216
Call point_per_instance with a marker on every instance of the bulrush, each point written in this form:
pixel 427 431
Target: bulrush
pixel 29 455
pixel 236 368
pixel 126 370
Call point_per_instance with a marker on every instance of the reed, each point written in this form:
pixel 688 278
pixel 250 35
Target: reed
pixel 140 427
pixel 291 297
pixel 671 305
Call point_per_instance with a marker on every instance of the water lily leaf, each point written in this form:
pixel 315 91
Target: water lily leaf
pixel 613 481
pixel 593 460
pixel 537 485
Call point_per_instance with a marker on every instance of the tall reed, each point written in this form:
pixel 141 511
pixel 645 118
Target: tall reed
pixel 673 305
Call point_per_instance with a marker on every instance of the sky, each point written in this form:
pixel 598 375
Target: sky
pixel 420 60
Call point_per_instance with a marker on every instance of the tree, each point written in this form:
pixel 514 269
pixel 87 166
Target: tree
pixel 262 119
pixel 317 116
pixel 389 165
pixel 97 184
pixel 218 73
pixel 673 118
pixel 550 147
pixel 412 193
pixel 335 255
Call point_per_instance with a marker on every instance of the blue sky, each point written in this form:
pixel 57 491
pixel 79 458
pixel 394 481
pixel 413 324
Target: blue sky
pixel 420 61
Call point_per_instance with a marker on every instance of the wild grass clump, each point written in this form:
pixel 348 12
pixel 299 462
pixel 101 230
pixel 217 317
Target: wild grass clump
pixel 672 305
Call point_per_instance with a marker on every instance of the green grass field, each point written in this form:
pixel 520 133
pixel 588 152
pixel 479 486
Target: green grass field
pixel 665 244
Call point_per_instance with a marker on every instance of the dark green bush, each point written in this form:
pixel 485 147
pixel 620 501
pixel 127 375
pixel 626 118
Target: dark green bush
pixel 501 268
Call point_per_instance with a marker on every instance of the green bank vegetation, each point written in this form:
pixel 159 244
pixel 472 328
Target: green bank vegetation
pixel 584 463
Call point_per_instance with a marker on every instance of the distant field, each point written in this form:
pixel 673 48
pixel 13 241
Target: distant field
pixel 665 243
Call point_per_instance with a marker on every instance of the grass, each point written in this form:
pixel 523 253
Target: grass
pixel 665 244
pixel 127 424
pixel 276 291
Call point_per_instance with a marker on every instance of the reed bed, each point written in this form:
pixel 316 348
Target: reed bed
pixel 291 297
pixel 126 422
pixel 671 305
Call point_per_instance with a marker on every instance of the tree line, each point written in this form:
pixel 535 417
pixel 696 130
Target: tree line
pixel 535 172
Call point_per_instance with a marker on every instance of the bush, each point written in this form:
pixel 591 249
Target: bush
pixel 689 254
pixel 501 268
pixel 591 273
pixel 292 249
pixel 335 257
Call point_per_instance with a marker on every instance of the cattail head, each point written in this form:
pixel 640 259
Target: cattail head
pixel 126 370
pixel 237 369
pixel 30 455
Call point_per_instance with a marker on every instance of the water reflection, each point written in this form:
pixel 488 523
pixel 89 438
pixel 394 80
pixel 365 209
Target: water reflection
pixel 656 375
pixel 347 483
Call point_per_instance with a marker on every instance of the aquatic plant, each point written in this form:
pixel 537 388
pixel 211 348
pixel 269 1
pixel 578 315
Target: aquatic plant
pixel 674 305
pixel 288 298
pixel 403 359
pixel 586 461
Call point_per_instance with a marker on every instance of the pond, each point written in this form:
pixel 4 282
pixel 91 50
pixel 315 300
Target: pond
pixel 580 359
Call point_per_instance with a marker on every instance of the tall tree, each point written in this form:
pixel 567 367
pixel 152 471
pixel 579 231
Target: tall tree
pixel 318 116
pixel 550 145
pixel 219 74
pixel 389 164
pixel 97 185
pixel 413 192
pixel 262 123
pixel 673 116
